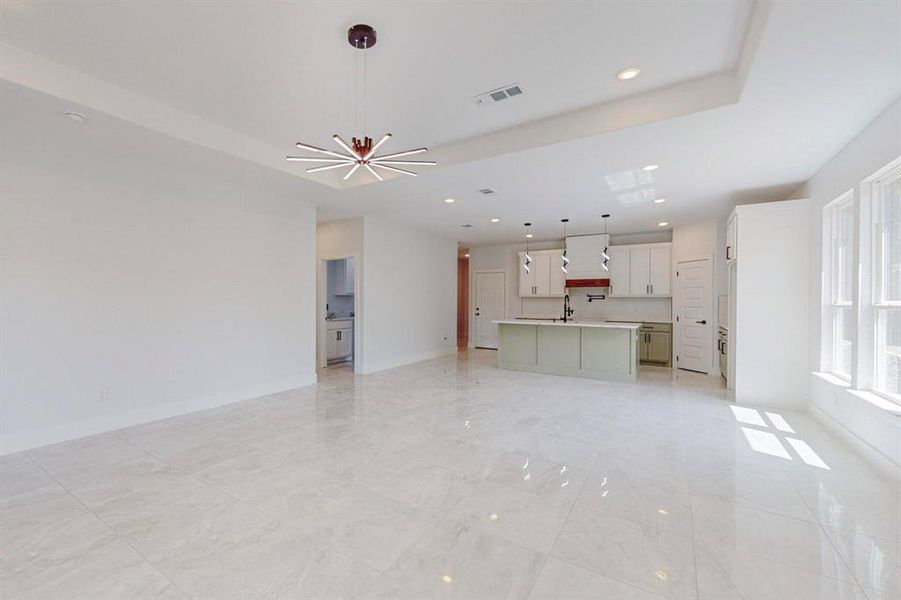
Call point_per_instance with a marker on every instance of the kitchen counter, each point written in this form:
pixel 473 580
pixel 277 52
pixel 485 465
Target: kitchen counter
pixel 574 323
pixel 594 349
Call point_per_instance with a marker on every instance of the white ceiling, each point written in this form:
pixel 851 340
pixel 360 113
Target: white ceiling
pixel 268 74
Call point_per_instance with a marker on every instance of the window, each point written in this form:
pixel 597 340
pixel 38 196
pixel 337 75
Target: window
pixel 840 215
pixel 887 282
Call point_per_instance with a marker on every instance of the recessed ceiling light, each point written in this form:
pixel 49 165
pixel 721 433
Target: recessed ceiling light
pixel 77 117
pixel 659 200
pixel 495 220
pixel 447 579
pixel 630 73
pixel 529 235
pixel 449 200
pixel 650 167
pixel 662 224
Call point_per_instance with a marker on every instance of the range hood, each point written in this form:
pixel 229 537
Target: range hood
pixel 587 283
pixel 585 260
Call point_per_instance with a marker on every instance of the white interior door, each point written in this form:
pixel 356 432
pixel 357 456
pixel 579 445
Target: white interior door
pixel 692 305
pixel 490 305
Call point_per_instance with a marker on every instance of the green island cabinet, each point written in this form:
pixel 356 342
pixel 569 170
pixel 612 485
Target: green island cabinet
pixel 595 350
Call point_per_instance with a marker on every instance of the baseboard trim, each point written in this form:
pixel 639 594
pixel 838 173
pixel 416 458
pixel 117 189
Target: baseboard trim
pixel 883 463
pixel 406 360
pixel 35 438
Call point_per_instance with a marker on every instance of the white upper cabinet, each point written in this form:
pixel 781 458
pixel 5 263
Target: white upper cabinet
pixel 619 271
pixel 526 279
pixel 542 267
pixel 348 276
pixel 640 270
pixel 344 277
pixel 585 256
pixel 731 238
pixel 557 276
pixel 545 277
pixel 660 271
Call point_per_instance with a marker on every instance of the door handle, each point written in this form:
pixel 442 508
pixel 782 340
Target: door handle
pixel 339 335
pixel 727 252
pixel 647 289
pixel 652 288
pixel 704 322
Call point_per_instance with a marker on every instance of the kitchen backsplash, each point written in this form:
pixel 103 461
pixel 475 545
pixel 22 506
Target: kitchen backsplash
pixel 626 309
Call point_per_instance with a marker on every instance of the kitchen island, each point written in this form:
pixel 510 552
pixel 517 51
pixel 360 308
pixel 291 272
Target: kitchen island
pixel 595 349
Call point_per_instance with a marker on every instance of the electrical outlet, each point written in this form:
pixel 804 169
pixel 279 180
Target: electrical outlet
pixel 445 338
pixel 104 394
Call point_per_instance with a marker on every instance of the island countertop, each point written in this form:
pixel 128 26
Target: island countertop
pixel 576 323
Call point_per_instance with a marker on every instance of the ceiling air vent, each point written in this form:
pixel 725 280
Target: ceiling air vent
pixel 486 191
pixel 467 226
pixel 498 95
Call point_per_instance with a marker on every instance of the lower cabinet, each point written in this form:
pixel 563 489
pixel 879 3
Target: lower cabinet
pixel 655 343
pixel 339 343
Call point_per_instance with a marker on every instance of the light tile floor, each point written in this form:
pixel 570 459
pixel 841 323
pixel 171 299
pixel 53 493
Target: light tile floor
pixel 452 479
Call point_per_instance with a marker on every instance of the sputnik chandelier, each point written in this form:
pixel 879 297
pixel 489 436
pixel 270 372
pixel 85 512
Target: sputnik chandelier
pixel 361 151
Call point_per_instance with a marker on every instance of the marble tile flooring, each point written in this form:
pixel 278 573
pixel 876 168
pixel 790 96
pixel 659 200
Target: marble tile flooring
pixel 452 479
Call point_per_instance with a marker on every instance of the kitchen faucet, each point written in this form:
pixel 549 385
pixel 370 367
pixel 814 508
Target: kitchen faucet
pixel 567 311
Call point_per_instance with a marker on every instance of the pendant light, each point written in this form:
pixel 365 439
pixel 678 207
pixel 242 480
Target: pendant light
pixel 360 152
pixel 605 258
pixel 528 260
pixel 564 261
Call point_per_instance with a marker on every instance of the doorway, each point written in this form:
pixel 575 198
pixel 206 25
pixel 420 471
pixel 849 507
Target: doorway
pixel 489 304
pixel 338 322
pixel 693 309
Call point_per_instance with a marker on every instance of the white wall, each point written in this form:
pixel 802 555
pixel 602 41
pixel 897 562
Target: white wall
pixel 133 298
pixel 409 287
pixel 874 430
pixel 769 334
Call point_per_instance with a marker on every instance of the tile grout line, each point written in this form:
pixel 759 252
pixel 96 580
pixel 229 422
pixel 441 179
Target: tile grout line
pixel 823 532
pixel 111 529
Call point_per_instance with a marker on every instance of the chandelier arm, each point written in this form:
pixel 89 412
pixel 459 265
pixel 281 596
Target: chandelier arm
pixel 384 139
pixel 343 144
pixel 399 154
pixel 382 161
pixel 371 170
pixel 328 167
pixel 395 169
pixel 352 171
pixel 323 151
pixel 319 160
